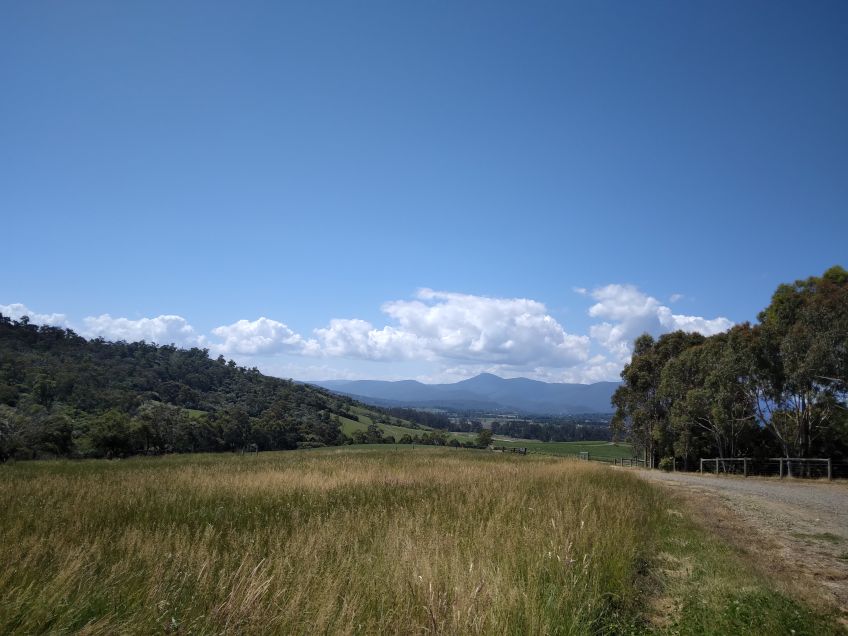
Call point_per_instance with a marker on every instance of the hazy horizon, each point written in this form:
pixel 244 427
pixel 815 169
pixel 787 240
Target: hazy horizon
pixel 517 377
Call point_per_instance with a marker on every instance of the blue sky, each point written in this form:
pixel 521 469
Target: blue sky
pixel 559 175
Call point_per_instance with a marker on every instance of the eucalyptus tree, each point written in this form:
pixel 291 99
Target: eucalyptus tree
pixel 704 387
pixel 642 411
pixel 798 359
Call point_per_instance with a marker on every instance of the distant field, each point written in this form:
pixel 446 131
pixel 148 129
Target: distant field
pixel 367 540
pixel 350 426
pixel 599 449
pixel 366 418
pixel 605 450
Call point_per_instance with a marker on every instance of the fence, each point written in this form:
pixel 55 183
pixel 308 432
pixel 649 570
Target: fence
pixel 630 463
pixel 615 461
pixel 511 449
pixel 803 467
pixel 728 465
pixel 796 467
pixel 808 468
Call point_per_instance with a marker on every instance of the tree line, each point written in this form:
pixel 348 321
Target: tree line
pixel 573 428
pixel 436 437
pixel 778 387
pixel 429 419
pixel 553 430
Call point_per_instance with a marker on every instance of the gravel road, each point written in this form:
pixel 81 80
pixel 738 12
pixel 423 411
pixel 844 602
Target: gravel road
pixel 799 528
pixel 827 503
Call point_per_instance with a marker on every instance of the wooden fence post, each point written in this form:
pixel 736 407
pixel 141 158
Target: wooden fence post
pixel 744 467
pixel 701 470
pixel 781 467
pixel 829 470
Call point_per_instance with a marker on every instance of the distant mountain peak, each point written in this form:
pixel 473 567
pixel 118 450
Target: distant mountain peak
pixel 486 391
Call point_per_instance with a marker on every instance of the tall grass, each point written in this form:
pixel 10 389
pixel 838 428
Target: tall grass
pixel 330 541
pixel 339 541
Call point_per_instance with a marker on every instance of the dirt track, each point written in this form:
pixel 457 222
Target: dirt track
pixel 800 528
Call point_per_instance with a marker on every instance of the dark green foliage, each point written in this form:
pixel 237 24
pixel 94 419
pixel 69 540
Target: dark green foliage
pixel 63 395
pixel 779 387
pixel 111 433
pixel 429 438
pixel 422 418
pixel 484 438
pixel 573 428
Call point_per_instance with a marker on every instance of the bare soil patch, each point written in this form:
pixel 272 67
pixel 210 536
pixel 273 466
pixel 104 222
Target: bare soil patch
pixel 795 532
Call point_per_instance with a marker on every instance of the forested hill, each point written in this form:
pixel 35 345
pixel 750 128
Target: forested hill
pixel 63 395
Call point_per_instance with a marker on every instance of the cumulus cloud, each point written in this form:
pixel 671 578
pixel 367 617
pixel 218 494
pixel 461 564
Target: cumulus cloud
pixel 16 311
pixel 258 337
pixel 705 326
pixel 354 338
pixel 629 313
pixel 597 369
pixel 457 335
pixel 459 327
pixel 161 329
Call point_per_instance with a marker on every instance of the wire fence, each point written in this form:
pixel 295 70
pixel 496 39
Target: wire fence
pixel 795 467
pixel 792 467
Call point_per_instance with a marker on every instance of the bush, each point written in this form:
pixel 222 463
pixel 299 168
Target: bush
pixel 667 464
pixel 484 438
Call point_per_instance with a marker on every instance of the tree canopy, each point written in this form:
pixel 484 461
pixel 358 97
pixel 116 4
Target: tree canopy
pixel 778 387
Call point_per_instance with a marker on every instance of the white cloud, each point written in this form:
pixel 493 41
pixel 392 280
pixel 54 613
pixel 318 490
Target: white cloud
pixel 630 313
pixel 161 329
pixel 459 327
pixel 353 338
pixel 438 336
pixel 258 337
pixel 674 298
pixel 597 369
pixel 16 311
pixel 707 327
pixel 622 302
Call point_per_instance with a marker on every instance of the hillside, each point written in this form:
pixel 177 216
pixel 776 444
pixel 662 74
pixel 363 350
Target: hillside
pixel 63 395
pixel 484 392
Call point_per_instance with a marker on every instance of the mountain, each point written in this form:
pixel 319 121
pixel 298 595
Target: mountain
pixel 484 392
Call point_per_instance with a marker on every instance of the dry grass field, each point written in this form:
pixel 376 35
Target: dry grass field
pixel 365 541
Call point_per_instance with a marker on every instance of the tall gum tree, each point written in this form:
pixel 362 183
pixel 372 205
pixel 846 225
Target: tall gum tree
pixel 798 356
pixel 704 388
pixel 641 409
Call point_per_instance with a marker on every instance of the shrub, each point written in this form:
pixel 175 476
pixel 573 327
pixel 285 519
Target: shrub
pixel 667 464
